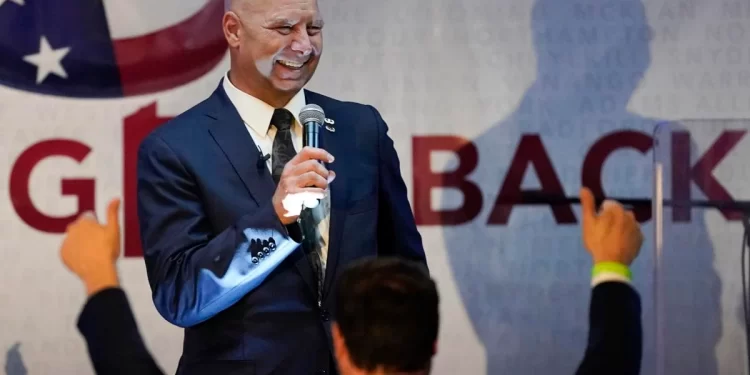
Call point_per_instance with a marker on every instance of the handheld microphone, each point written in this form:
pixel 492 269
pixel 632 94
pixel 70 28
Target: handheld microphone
pixel 312 118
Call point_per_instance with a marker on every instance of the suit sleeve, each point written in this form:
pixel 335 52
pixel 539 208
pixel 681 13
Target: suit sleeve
pixel 114 344
pixel 397 230
pixel 615 333
pixel 194 273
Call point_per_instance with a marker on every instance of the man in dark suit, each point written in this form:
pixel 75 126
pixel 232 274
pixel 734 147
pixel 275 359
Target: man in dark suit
pixel 225 252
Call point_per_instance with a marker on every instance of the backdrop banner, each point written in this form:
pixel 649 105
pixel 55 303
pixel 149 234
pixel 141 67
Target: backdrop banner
pixel 485 99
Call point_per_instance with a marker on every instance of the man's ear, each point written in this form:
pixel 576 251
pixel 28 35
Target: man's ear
pixel 338 339
pixel 339 345
pixel 231 26
pixel 434 347
pixel 340 351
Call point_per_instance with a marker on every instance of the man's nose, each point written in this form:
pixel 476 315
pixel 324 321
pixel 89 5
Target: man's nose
pixel 301 43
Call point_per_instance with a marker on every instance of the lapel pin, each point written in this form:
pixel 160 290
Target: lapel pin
pixel 329 125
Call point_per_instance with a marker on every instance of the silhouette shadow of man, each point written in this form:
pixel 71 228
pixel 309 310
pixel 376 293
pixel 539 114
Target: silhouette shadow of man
pixel 522 272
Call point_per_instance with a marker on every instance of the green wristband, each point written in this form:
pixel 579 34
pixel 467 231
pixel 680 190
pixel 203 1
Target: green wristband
pixel 612 267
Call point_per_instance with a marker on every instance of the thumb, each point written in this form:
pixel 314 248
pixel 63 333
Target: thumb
pixel 113 214
pixel 588 206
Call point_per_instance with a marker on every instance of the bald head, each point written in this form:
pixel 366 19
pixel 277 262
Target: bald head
pixel 241 8
pixel 236 5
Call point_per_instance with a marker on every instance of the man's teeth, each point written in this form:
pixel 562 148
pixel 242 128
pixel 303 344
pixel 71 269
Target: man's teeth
pixel 291 64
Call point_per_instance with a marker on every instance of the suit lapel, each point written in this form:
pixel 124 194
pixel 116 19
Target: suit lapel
pixel 233 138
pixel 336 144
pixel 235 141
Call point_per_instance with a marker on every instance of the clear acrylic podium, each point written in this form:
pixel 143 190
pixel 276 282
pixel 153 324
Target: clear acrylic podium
pixel 701 190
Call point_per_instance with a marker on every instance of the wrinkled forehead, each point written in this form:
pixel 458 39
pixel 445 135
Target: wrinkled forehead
pixel 290 11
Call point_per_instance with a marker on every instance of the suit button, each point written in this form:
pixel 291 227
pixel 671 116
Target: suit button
pixel 325 315
pixel 322 372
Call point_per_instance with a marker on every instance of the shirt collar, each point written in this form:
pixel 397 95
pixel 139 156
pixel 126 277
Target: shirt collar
pixel 255 112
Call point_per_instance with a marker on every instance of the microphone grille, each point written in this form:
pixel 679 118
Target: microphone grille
pixel 312 112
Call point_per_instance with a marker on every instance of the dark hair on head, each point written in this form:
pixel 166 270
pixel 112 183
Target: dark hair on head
pixel 387 311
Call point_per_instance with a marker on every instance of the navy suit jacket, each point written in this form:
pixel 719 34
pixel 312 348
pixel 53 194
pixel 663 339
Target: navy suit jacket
pixel 204 202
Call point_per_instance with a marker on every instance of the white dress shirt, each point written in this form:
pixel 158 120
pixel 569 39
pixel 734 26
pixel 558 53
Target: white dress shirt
pixel 256 114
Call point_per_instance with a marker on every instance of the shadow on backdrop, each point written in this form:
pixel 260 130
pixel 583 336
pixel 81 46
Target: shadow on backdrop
pixel 14 362
pixel 525 283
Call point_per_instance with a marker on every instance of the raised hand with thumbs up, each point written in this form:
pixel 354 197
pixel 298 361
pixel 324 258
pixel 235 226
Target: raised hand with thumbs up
pixel 90 249
pixel 612 234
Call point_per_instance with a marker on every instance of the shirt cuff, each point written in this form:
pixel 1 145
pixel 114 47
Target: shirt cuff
pixel 610 271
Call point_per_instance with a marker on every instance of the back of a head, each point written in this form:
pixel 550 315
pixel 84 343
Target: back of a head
pixel 387 312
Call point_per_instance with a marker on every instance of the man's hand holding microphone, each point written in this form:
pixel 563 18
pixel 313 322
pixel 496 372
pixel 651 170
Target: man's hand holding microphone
pixel 304 180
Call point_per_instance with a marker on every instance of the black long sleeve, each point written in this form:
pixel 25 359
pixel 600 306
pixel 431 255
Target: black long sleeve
pixel 115 346
pixel 615 342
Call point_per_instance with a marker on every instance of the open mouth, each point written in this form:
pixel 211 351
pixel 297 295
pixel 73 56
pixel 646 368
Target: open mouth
pixel 291 64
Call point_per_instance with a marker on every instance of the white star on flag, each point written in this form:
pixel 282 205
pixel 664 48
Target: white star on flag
pixel 19 2
pixel 48 60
